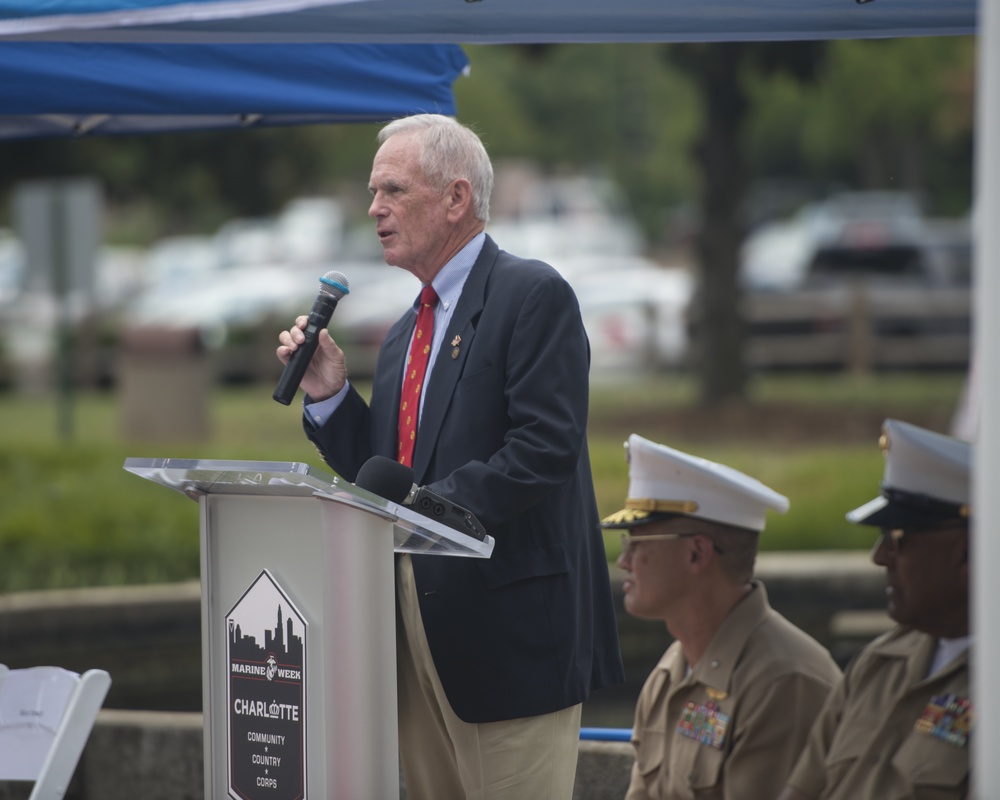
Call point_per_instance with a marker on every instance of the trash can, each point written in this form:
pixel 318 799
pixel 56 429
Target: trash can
pixel 165 379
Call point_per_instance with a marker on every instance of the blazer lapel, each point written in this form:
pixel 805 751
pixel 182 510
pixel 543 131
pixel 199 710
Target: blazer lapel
pixel 450 362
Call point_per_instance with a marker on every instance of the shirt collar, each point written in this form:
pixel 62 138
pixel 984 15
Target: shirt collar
pixel 917 649
pixel 450 279
pixel 716 666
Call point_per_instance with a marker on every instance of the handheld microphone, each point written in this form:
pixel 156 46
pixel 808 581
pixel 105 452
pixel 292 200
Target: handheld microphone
pixel 394 481
pixel 332 287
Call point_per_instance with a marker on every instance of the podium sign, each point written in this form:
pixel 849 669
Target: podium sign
pixel 266 694
pixel 298 625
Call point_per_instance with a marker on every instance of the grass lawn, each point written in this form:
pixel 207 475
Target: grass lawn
pixel 71 516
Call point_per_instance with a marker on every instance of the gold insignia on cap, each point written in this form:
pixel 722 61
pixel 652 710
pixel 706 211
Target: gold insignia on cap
pixel 666 506
pixel 625 516
pixel 716 694
pixel 883 441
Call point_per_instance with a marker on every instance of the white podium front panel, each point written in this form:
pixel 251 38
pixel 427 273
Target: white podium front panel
pixel 341 583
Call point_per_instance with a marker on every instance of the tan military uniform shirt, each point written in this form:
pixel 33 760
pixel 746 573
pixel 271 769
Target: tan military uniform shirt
pixel 888 731
pixel 733 726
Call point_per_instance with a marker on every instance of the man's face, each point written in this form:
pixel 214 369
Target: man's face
pixel 410 214
pixel 655 579
pixel 926 577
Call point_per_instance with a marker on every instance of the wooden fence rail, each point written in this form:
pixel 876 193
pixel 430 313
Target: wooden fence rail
pixel 859 327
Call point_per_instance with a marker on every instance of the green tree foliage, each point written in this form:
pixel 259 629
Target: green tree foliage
pixel 881 114
pixel 617 108
pixel 194 181
pixel 895 112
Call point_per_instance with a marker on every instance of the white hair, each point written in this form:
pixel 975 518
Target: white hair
pixel 449 150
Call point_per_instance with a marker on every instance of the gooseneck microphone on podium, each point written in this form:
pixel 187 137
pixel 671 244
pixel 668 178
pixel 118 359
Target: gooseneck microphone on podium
pixel 386 478
pixel 332 287
pixel 394 481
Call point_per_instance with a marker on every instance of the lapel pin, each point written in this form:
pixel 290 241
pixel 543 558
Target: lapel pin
pixel 454 346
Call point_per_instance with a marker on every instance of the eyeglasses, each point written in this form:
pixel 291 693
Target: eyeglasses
pixel 629 541
pixel 894 537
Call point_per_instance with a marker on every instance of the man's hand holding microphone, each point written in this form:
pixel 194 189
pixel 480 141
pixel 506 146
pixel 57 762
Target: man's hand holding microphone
pixel 312 359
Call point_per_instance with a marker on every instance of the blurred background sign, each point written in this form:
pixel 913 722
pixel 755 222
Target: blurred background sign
pixel 59 222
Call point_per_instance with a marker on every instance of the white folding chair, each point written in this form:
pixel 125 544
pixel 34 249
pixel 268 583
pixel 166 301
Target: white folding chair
pixel 46 715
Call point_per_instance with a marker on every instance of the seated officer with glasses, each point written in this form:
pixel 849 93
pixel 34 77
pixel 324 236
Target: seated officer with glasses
pixel 898 724
pixel 728 708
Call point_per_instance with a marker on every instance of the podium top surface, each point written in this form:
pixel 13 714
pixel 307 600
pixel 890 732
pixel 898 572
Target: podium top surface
pixel 195 476
pixel 413 532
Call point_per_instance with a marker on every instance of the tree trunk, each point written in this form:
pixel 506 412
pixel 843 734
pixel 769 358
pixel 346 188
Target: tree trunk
pixel 721 364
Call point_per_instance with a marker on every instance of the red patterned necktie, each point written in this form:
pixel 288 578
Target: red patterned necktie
pixel 416 368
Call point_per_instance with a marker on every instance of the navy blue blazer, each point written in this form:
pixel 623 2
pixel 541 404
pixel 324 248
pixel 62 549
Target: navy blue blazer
pixel 503 433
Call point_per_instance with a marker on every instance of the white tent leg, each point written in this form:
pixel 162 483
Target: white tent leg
pixel 986 321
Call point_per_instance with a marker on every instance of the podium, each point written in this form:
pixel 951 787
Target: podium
pixel 298 625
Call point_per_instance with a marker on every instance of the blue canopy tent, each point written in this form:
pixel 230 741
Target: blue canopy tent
pixel 72 89
pixel 481 21
pixel 28 16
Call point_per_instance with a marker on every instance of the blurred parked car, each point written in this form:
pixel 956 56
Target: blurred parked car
pixel 379 296
pixel 237 314
pixel 636 316
pixel 248 242
pixel 311 230
pixel 538 216
pixel 861 279
pixel 181 260
pixel 634 311
pixel 881 236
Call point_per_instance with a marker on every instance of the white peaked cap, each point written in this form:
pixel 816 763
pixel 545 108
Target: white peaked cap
pixel 926 478
pixel 664 480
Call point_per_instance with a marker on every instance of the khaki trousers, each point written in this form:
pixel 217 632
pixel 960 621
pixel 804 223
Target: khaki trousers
pixel 444 758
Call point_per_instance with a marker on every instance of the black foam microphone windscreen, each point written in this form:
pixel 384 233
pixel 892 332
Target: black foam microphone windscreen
pixel 386 478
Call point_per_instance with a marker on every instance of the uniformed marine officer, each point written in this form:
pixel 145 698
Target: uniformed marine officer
pixel 727 709
pixel 898 724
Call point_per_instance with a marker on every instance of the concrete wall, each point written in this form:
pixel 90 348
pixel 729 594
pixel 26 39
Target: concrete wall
pixel 157 755
pixel 149 637
pixel 148 739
